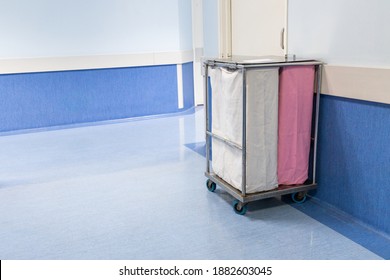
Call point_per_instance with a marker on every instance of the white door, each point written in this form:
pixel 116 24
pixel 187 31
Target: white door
pixel 258 27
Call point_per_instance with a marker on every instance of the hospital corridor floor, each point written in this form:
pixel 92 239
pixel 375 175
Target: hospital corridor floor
pixel 135 190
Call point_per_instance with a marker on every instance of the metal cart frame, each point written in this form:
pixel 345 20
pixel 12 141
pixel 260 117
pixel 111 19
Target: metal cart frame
pixel 242 198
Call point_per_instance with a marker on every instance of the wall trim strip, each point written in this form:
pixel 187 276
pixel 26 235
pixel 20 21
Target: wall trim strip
pixel 363 83
pixel 49 64
pixel 180 92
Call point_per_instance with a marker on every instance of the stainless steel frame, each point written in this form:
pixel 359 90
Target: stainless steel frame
pixel 242 196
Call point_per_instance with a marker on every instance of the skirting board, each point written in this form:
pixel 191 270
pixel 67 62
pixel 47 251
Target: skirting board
pixel 363 83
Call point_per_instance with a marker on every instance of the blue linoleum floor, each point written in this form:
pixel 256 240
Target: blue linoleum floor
pixel 136 190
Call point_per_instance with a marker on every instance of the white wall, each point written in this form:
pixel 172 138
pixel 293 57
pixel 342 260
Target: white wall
pixel 342 32
pixel 47 28
pixel 352 37
pixel 185 24
pixel 197 43
pixel 210 28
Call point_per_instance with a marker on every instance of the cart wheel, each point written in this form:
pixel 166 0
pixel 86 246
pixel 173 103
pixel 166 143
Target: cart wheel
pixel 239 207
pixel 298 197
pixel 211 186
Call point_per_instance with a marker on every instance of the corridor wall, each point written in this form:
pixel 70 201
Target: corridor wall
pixel 72 62
pixel 352 37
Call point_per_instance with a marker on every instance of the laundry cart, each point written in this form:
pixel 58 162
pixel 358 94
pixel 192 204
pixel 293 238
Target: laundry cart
pixel 261 127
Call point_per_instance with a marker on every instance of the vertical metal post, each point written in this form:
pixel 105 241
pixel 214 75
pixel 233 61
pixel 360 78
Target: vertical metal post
pixel 244 131
pixel 208 127
pixel 317 108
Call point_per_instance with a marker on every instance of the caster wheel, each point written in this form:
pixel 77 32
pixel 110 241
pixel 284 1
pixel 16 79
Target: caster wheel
pixel 298 197
pixel 211 186
pixel 239 207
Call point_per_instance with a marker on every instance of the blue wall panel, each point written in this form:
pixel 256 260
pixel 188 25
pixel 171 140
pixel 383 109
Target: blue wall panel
pixel 35 100
pixel 188 85
pixel 354 159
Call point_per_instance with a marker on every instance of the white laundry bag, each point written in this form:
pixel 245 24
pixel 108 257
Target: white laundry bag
pixel 261 127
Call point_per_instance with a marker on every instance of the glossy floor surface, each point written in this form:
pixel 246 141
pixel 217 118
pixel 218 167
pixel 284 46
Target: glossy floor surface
pixel 136 190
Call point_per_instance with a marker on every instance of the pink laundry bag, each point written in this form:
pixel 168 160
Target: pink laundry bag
pixel 296 85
